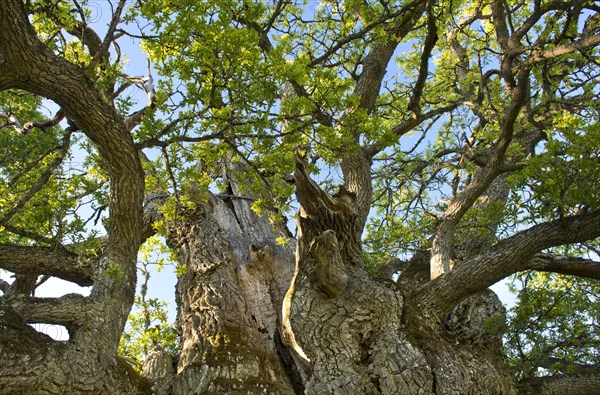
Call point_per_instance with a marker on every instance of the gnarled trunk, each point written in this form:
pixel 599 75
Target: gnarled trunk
pixel 229 299
pixel 357 336
pixel 341 331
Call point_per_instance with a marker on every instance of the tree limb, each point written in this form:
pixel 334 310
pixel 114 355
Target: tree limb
pixel 549 53
pixel 68 310
pixel 428 46
pixel 565 265
pixel 30 235
pixel 27 63
pixel 508 256
pixel 54 262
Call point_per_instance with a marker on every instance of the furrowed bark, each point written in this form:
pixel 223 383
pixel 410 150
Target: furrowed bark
pixel 359 339
pixel 55 262
pixel 26 63
pixel 69 310
pixel 230 298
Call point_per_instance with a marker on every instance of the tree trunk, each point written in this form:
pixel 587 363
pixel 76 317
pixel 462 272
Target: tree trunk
pixel 229 299
pixel 356 335
pixel 344 333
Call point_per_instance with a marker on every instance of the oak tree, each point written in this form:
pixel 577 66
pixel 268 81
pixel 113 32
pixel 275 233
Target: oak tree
pixel 427 150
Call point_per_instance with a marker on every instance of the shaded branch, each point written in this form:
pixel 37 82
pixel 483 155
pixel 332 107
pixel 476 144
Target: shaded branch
pixel 30 235
pixel 152 213
pixel 565 265
pixel 54 262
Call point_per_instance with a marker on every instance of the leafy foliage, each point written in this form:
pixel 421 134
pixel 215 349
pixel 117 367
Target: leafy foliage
pixel 554 327
pixel 257 83
pixel 147 328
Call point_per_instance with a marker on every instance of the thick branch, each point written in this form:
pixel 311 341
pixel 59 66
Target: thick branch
pixel 68 310
pixel 375 63
pixel 26 63
pixel 54 262
pixel 565 265
pixel 506 257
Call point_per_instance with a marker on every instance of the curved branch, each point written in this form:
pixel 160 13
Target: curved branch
pixel 504 258
pixel 26 63
pixel 45 260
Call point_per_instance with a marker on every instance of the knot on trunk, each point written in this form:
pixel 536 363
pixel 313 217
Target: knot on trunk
pixel 261 257
pixel 329 275
pixel 478 319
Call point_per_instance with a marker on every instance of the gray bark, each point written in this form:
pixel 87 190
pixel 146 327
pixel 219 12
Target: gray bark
pixel 229 299
pixel 249 322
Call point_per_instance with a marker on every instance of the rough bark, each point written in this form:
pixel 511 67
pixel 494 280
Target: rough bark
pixel 229 299
pixel 49 261
pixel 335 330
pixel 584 381
pixel 359 338
pixel 38 364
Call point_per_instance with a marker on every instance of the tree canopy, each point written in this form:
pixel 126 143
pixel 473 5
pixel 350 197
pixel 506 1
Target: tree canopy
pixel 461 137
